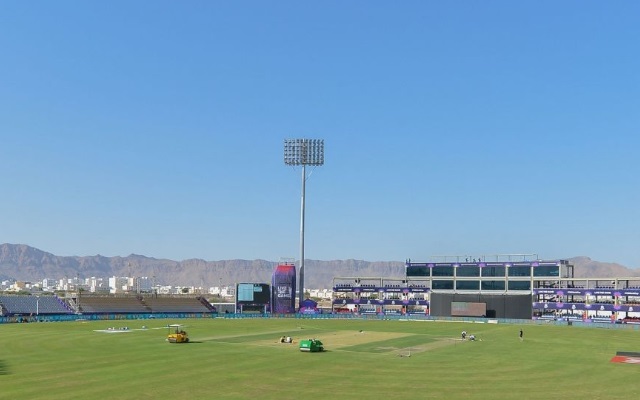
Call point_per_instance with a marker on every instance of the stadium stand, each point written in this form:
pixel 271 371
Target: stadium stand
pixel 33 305
pixel 178 304
pixel 109 304
pixel 140 304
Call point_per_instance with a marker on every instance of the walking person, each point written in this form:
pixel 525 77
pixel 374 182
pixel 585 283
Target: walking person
pixel 521 335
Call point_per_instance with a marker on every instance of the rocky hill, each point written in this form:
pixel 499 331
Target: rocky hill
pixel 25 263
pixel 585 267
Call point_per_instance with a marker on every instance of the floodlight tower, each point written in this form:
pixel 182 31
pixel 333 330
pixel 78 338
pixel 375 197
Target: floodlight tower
pixel 303 152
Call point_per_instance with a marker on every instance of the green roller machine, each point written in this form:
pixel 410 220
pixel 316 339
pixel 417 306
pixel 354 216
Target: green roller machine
pixel 311 345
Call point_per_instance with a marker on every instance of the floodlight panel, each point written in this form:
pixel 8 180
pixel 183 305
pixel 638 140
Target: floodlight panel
pixel 304 151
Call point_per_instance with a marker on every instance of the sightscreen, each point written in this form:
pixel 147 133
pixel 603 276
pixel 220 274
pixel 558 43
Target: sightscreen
pixel 468 309
pixel 498 305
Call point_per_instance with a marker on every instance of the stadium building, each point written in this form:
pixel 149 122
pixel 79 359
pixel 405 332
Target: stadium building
pixel 517 286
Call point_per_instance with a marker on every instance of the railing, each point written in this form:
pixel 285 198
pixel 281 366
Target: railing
pixel 339 316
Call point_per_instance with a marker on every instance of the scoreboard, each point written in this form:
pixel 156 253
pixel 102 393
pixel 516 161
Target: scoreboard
pixel 253 293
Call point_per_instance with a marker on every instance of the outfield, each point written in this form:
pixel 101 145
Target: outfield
pixel 242 359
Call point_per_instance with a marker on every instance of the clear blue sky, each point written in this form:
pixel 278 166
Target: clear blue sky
pixel 467 127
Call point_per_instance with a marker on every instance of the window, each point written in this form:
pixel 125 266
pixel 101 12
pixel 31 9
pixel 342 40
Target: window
pixel 494 271
pixel 440 284
pixel 417 270
pixel 468 271
pixel 467 285
pixel 442 271
pixel 493 285
pixel 520 270
pixel 519 285
pixel 546 270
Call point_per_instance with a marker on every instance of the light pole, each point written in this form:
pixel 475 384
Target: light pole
pixel 37 308
pixel 303 152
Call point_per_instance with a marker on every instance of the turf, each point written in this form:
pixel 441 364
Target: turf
pixel 242 359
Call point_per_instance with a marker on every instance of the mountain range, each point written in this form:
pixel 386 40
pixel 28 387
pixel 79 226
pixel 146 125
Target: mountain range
pixel 25 263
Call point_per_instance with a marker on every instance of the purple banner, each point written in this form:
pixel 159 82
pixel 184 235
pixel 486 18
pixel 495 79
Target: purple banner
pixel 382 302
pixel 589 292
pixel 585 307
pixel 349 289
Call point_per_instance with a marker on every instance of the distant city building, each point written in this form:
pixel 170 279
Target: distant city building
pixel 321 293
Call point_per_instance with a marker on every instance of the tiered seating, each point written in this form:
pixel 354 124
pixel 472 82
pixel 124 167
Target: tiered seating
pixel 208 305
pixel 18 304
pixel 177 304
pixel 43 305
pixel 53 305
pixel 32 305
pixel 343 285
pixel 97 305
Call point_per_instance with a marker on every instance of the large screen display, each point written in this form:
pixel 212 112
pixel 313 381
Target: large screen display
pixel 253 293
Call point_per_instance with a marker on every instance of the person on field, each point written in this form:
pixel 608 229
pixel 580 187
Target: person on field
pixel 521 335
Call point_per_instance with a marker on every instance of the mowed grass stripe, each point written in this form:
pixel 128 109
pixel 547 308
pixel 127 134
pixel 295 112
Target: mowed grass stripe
pixel 404 342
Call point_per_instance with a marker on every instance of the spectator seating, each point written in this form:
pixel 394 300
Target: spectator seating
pixel 108 304
pixel 33 305
pixel 178 304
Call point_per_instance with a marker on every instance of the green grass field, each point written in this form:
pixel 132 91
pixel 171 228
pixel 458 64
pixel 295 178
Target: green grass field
pixel 242 359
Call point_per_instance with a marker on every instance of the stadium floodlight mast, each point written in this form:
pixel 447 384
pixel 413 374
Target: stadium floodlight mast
pixel 303 152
